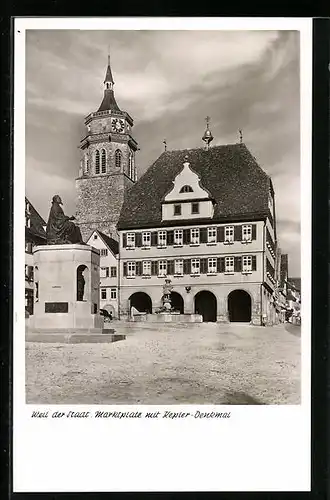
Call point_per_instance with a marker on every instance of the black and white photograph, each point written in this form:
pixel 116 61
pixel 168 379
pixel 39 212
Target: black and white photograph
pixel 166 198
pixel 163 217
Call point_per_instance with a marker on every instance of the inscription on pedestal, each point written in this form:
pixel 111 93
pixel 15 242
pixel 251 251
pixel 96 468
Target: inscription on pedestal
pixel 56 307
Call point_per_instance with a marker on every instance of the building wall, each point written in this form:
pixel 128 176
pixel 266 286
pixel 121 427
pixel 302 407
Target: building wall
pixel 220 284
pixel 107 283
pixel 99 201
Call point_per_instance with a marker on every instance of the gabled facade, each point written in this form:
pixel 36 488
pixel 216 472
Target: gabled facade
pixel 108 248
pixel 108 167
pixel 35 234
pixel 205 219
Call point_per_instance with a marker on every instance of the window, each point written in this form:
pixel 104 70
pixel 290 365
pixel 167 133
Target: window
pixel 104 272
pixel 27 221
pixel 229 233
pixel 113 272
pixel 103 161
pixel 162 268
pixel 177 209
pixel 131 240
pixel 113 293
pixel 162 238
pixel 97 161
pixel 118 158
pixel 212 265
pixel 146 268
pixel 178 266
pixel 103 293
pixel 247 233
pixel 104 252
pixel 195 266
pixel 194 236
pixel 178 237
pixel 86 164
pixel 195 208
pixel 146 239
pixel 131 268
pixel 211 234
pixel 247 263
pixel 186 189
pixel 229 264
pixel 27 206
pixel 95 237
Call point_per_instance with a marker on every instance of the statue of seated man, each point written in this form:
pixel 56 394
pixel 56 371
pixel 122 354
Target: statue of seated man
pixel 60 230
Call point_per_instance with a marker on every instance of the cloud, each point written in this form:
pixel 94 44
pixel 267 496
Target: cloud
pixel 168 81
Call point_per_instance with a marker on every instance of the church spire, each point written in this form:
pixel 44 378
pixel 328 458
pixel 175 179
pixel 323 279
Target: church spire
pixel 108 81
pixel 109 102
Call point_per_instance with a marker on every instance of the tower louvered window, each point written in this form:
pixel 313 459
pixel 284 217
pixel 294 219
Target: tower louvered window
pixel 118 158
pixel 130 166
pixel 97 161
pixel 103 161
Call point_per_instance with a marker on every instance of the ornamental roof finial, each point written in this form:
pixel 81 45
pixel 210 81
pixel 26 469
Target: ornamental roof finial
pixel 207 137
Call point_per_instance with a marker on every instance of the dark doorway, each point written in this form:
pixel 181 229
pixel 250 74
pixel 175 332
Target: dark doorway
pixel 141 301
pixel 177 302
pixel 239 306
pixel 206 305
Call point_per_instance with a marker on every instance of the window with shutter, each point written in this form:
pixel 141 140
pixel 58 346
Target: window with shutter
pixel 186 266
pixel 186 236
pixel 195 266
pixel 170 267
pixel 246 263
pixel 124 240
pixel 131 269
pixel 154 267
pixel 238 264
pixel 146 239
pixel 203 266
pixel 221 234
pixel 229 234
pixel 229 264
pixel 238 233
pixel 130 240
pixel 154 238
pixel 138 239
pixel 203 235
pixel 212 234
pixel 178 237
pixel 146 268
pixel 178 267
pixel 247 232
pixel 170 237
pixel 162 240
pixel 194 236
pixel 162 268
pixel 212 265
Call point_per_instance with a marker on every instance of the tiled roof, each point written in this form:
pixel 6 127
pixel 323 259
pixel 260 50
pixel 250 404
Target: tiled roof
pixel 109 102
pixel 230 173
pixel 110 242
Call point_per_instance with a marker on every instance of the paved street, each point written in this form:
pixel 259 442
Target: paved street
pixel 186 364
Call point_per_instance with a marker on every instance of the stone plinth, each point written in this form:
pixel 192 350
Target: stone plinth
pixel 61 301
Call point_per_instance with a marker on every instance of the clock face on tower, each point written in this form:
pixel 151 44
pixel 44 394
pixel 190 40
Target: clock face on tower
pixel 118 125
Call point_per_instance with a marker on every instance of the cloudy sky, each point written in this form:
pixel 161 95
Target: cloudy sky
pixel 168 81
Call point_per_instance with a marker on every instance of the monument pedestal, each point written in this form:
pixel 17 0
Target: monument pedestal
pixel 67 296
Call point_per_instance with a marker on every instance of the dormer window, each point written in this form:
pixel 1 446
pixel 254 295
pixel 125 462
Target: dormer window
pixel 177 210
pixel 195 208
pixel 186 189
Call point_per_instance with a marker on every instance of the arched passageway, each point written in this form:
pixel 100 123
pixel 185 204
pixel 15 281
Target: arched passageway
pixel 141 301
pixel 177 302
pixel 81 282
pixel 239 306
pixel 206 305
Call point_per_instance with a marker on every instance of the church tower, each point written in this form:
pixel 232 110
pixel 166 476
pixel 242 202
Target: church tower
pixel 107 168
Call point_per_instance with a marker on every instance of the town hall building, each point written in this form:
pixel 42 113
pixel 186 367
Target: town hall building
pixel 203 218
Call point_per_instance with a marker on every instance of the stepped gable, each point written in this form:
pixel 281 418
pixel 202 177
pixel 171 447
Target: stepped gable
pixel 230 173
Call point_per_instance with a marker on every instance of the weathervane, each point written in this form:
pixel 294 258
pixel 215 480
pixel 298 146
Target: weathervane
pixel 165 144
pixel 207 137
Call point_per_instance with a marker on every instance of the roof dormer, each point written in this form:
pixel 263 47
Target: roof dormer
pixel 187 199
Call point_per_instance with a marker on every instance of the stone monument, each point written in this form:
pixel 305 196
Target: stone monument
pixel 67 280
